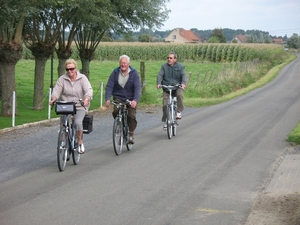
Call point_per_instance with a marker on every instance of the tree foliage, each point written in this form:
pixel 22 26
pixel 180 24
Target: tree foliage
pixel 294 42
pixel 218 33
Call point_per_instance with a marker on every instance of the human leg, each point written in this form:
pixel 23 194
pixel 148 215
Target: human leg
pixel 79 129
pixel 132 122
pixel 180 107
pixel 164 107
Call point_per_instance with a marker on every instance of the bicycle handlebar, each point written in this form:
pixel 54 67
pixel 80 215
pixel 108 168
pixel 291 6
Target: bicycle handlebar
pixel 171 86
pixel 118 104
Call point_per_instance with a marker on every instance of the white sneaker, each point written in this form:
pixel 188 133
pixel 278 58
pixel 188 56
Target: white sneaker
pixel 81 149
pixel 178 116
pixel 165 126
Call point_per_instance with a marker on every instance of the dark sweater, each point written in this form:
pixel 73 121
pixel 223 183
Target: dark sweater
pixel 131 91
pixel 171 75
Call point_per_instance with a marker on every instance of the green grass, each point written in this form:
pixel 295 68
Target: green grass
pixel 99 72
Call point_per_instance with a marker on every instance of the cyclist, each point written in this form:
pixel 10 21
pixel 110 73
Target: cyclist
pixel 73 86
pixel 124 83
pixel 172 72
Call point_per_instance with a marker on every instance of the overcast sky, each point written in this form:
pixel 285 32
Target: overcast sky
pixel 278 17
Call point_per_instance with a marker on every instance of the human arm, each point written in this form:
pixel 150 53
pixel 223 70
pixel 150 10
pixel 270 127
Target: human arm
pixel 159 77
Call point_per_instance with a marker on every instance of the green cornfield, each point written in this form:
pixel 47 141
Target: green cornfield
pixel 186 52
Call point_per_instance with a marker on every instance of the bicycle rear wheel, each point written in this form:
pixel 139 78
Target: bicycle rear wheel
pixel 169 122
pixel 62 149
pixel 75 153
pixel 117 136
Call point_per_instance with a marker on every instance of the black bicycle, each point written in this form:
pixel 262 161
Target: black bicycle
pixel 171 121
pixel 120 128
pixel 67 143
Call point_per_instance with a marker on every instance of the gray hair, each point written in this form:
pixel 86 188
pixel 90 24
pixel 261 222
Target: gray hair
pixel 124 56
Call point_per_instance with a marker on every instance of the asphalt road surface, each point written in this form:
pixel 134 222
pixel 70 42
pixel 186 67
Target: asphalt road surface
pixel 222 157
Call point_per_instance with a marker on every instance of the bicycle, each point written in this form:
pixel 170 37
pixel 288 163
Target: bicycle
pixel 67 142
pixel 172 122
pixel 120 128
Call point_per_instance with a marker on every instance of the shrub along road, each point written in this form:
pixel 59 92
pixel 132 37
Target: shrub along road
pixel 210 173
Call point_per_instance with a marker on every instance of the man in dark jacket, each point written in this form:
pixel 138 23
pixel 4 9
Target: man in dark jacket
pixel 172 72
pixel 124 83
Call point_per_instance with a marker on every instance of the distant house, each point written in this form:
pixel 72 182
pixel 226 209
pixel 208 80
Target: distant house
pixel 180 35
pixel 240 38
pixel 278 41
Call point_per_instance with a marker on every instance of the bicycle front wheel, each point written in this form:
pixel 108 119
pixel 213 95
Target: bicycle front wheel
pixel 62 149
pixel 75 153
pixel 117 136
pixel 126 132
pixel 169 121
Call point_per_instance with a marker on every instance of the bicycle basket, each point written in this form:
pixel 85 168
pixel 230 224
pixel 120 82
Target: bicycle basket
pixel 87 124
pixel 65 108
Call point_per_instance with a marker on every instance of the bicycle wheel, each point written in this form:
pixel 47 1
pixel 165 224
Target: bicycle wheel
pixel 169 122
pixel 128 145
pixel 174 127
pixel 75 154
pixel 175 124
pixel 117 136
pixel 62 149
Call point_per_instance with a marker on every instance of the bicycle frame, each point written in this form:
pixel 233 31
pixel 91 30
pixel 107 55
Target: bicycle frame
pixel 71 135
pixel 121 118
pixel 171 111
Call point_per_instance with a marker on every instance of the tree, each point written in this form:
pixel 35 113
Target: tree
pixel 117 16
pixel 218 33
pixel 144 38
pixel 12 17
pixel 294 41
pixel 213 39
pixel 42 29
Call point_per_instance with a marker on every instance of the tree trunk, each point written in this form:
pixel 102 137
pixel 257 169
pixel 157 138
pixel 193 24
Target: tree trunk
pixel 39 77
pixel 41 52
pixel 10 54
pixel 85 67
pixel 86 56
pixel 62 55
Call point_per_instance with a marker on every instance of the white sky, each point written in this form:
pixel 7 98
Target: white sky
pixel 278 17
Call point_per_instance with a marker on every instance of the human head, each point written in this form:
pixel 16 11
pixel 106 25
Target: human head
pixel 172 58
pixel 124 62
pixel 71 67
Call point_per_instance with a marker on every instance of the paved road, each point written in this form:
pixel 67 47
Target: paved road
pixel 223 156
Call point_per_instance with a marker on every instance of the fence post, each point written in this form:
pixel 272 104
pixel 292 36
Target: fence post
pixel 13 108
pixel 143 79
pixel 49 106
pixel 101 93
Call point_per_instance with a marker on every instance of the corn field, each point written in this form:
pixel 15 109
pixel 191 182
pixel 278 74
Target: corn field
pixel 186 52
pixel 193 52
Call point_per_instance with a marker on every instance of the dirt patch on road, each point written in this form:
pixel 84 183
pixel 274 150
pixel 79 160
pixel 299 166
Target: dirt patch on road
pixel 275 209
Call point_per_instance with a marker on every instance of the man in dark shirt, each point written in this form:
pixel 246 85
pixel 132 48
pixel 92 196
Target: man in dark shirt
pixel 124 83
pixel 172 72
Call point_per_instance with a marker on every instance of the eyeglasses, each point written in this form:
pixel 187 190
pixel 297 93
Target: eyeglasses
pixel 67 69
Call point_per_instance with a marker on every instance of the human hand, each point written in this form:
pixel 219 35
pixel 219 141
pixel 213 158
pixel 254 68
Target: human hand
pixel 183 86
pixel 133 104
pixel 52 101
pixel 107 103
pixel 158 86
